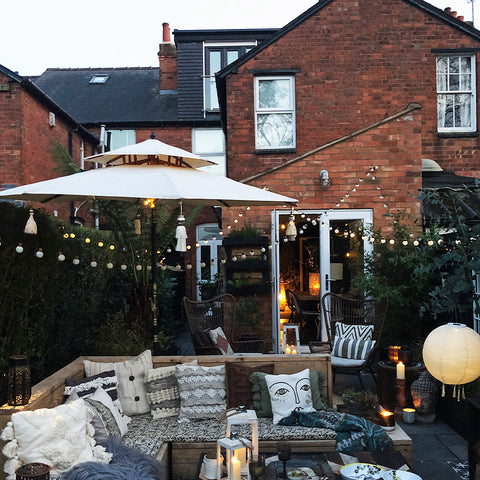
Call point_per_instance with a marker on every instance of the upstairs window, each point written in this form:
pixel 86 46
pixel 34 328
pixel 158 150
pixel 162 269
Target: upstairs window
pixel 218 57
pixel 274 113
pixel 456 98
pixel 120 138
pixel 209 143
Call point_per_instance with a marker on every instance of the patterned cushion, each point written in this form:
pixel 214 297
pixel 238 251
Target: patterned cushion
pixel 162 391
pixel 239 388
pixel 148 435
pixel 350 348
pixel 86 387
pixel 131 381
pixel 360 332
pixel 202 391
pixel 261 397
pixel 289 393
pixel 220 340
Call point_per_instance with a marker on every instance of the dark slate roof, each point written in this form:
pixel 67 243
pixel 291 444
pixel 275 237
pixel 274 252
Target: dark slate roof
pixel 130 96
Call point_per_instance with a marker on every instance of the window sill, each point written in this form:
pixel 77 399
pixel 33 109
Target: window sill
pixel 275 150
pixel 457 134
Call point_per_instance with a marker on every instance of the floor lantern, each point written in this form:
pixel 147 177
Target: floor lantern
pixel 451 354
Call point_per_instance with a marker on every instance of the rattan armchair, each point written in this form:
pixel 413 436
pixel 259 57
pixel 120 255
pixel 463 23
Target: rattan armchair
pixel 206 315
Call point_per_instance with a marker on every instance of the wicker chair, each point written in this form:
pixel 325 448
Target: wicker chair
pixel 217 312
pixel 354 312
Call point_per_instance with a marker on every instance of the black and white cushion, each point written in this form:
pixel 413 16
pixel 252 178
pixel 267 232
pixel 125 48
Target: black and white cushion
pixel 356 332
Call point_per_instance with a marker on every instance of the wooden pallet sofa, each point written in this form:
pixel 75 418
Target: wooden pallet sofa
pixel 178 445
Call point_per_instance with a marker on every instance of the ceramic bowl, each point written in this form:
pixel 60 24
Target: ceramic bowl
pixel 362 471
pixel 297 474
pixel 400 475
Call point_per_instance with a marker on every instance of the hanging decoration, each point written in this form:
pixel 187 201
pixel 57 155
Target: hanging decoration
pixel 291 232
pixel 39 253
pixel 181 232
pixel 451 354
pixel 31 226
pixel 19 248
pixel 138 225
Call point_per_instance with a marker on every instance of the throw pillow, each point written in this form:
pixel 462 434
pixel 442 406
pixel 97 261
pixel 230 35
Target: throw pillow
pixel 239 388
pixel 289 393
pixel 360 332
pixel 353 349
pixel 220 340
pixel 131 381
pixel 202 391
pixel 60 437
pixel 261 397
pixel 87 386
pixel 162 391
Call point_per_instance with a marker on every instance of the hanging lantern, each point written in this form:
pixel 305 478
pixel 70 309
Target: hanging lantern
pixel 31 226
pixel 291 231
pixel 451 354
pixel 138 225
pixel 181 235
pixel 18 381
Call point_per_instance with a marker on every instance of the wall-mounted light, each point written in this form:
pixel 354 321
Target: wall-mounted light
pixel 324 179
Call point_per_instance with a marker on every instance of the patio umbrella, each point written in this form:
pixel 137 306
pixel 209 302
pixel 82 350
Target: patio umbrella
pixel 149 170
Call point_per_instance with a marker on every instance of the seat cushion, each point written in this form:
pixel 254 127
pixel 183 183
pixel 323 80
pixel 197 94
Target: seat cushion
pixel 346 362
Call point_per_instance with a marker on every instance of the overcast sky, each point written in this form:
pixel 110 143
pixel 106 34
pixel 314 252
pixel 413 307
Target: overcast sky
pixel 40 34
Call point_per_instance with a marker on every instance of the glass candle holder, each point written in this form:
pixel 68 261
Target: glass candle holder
pixel 409 415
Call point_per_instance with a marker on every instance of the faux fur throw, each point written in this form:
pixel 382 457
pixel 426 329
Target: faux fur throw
pixel 354 434
pixel 127 464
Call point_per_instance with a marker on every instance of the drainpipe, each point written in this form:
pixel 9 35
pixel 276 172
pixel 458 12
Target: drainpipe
pixel 70 151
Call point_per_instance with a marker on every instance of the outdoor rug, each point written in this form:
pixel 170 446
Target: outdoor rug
pixel 461 468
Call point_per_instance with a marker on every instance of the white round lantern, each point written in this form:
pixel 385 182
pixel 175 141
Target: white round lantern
pixel 451 354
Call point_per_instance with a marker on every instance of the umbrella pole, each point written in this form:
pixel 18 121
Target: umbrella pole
pixel 153 237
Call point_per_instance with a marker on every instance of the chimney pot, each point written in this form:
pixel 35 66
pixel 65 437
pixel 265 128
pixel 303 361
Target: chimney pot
pixel 454 14
pixel 447 10
pixel 461 17
pixel 166 32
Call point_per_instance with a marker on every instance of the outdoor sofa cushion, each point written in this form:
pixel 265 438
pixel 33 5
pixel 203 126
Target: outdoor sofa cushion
pixel 352 348
pixel 345 362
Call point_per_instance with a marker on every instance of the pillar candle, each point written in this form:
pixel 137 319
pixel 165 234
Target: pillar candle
pixel 241 455
pixel 236 469
pixel 400 371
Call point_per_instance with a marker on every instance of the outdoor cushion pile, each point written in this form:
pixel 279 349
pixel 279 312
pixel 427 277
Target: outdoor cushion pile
pixel 120 400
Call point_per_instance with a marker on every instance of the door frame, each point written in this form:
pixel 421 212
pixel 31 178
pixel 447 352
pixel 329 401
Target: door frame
pixel 365 214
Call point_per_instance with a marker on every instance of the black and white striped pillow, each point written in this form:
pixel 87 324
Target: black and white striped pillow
pixel 352 349
pixel 356 332
pixel 86 386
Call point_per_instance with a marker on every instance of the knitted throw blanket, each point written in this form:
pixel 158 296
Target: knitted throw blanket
pixel 354 434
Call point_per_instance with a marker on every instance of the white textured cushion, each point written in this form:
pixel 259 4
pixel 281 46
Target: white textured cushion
pixel 220 340
pixel 345 362
pixel 202 391
pixel 289 393
pixel 352 348
pixel 60 437
pixel 162 391
pixel 364 332
pixel 131 381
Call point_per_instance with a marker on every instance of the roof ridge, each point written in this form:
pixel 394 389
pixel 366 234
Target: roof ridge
pixel 103 69
pixel 409 108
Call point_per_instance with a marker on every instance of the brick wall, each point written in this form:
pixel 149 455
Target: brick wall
pixel 359 61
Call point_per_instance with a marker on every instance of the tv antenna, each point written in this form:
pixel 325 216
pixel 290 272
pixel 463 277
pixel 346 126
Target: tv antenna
pixel 473 14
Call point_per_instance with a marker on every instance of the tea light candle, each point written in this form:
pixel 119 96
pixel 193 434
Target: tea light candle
pixel 387 420
pixel 400 371
pixel 409 415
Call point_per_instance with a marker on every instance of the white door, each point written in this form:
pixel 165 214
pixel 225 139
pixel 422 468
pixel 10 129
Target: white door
pixel 326 255
pixel 208 241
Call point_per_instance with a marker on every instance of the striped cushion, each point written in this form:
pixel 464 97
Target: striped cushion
pixel 350 348
pixel 360 332
pixel 202 391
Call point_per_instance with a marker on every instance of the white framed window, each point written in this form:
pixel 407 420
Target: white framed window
pixel 274 112
pixel 209 143
pixel 120 138
pixel 456 95
pixel 216 57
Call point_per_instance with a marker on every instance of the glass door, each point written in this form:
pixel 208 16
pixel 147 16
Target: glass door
pixel 326 255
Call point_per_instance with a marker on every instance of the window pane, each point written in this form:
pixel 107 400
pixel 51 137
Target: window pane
pixel 215 62
pixel 462 111
pixel 208 141
pixel 465 82
pixel 454 64
pixel 121 138
pixel 445 111
pixel 442 65
pixel 275 130
pixel 454 82
pixel 274 94
pixel 466 64
pixel 231 56
pixel 441 82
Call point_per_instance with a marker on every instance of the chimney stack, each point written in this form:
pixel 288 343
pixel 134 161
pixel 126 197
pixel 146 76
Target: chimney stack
pixel 167 57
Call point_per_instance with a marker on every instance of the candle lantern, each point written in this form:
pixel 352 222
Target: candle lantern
pixel 409 415
pixel 18 381
pixel 393 353
pixel 33 471
pixel 291 339
pixel 387 420
pixel 235 448
pixel 242 416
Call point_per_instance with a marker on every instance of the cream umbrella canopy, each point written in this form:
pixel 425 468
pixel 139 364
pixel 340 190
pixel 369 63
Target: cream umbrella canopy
pixel 149 170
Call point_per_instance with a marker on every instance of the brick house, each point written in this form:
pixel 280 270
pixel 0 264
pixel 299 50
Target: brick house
pixel 31 123
pixel 340 109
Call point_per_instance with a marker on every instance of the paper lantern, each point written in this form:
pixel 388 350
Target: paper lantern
pixel 451 354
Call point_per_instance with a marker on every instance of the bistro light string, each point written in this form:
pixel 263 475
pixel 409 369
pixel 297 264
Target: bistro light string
pixel 294 229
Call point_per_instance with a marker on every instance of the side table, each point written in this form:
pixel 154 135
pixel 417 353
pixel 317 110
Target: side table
pixel 386 382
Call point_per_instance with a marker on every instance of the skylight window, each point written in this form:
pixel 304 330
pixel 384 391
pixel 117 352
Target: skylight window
pixel 99 79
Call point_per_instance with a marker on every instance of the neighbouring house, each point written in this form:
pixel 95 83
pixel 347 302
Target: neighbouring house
pixel 31 126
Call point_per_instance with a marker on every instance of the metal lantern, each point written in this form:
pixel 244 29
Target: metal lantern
pixel 234 447
pixel 18 381
pixel 451 354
